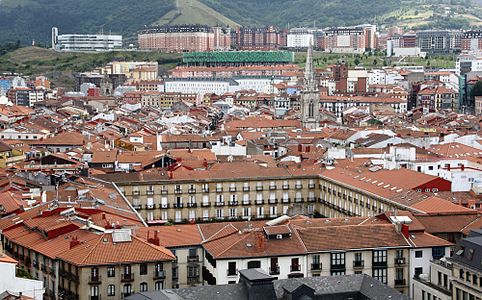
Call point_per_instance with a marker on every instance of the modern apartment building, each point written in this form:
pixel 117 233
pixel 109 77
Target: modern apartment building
pixel 251 38
pixel 185 38
pixel 85 42
pixel 354 39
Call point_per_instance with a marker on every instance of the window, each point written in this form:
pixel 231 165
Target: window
pixel 254 264
pixel 338 259
pixel 127 289
pixel 111 290
pixel 143 269
pixel 110 271
pixel 232 268
pixel 399 274
pixel 158 285
pixel 94 290
pixel 418 271
pixel 143 287
pixel 419 254
pixel 380 275
pixel 295 264
pixel 358 256
pixel 379 256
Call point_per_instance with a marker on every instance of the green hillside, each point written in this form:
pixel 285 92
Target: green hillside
pixel 194 12
pixel 303 12
pixel 60 65
pixel 28 20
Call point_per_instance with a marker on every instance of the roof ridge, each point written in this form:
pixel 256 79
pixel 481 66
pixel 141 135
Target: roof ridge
pixel 471 222
pixel 162 248
pixel 222 228
pixel 232 245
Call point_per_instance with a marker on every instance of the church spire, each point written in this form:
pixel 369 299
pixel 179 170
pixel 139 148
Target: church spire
pixel 309 69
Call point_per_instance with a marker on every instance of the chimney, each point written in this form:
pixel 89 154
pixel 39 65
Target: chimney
pixel 74 242
pixel 260 241
pixel 170 175
pixel 205 163
pixel 405 231
pixel 155 240
pixel 462 167
pixel 448 167
pixel 103 216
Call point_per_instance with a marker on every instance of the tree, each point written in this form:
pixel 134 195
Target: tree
pixel 375 62
pixel 357 61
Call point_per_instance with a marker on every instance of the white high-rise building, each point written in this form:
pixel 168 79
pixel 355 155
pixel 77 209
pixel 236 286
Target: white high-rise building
pixel 85 42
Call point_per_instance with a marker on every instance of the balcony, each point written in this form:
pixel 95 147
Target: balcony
pixel 295 268
pixel 136 193
pixel 232 189
pixel 246 202
pixel 232 272
pixel 274 270
pixel 219 204
pixel 298 200
pixel 192 205
pixel 358 264
pixel 177 191
pixel 127 277
pixel 164 192
pixel 298 186
pixel 165 205
pixel 205 204
pixel 379 264
pixel 137 206
pixel 340 267
pixel 245 188
pixel 205 190
pixel 191 191
pixel 286 200
pixel 233 203
pixel 316 266
pixel 259 202
pixel 311 186
pixel 94 297
pixel 259 188
pixel 193 259
pixel 400 283
pixel 400 261
pixel 311 199
pixel 150 206
pixel 159 274
pixel 96 279
pixel 272 187
pixel 219 190
pixel 150 192
pixel 285 187
pixel 178 205
pixel 273 201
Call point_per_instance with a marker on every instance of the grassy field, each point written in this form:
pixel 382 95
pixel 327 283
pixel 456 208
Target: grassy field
pixel 195 12
pixel 60 66
pixel 323 59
